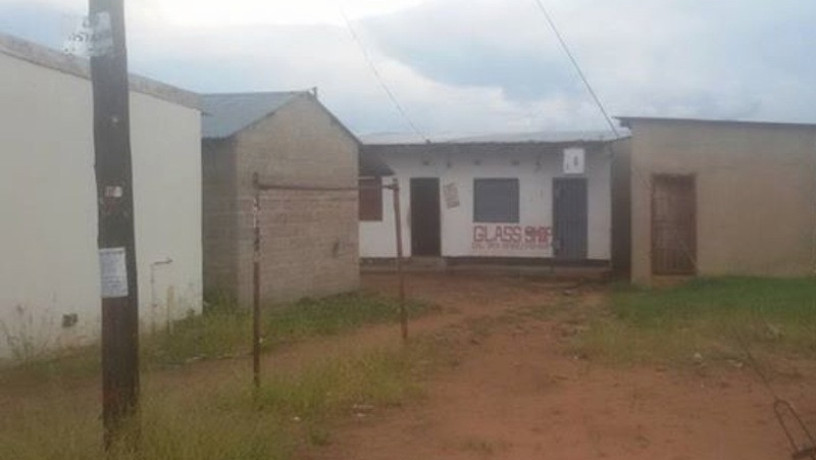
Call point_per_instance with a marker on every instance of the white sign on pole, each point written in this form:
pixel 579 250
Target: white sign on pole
pixel 93 38
pixel 574 160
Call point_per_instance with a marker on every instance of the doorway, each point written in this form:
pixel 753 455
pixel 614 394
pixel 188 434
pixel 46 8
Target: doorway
pixel 674 225
pixel 570 218
pixel 425 221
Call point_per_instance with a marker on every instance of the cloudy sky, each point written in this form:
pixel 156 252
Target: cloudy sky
pixel 466 66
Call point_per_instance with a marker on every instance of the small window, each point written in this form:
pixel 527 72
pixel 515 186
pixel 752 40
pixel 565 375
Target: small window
pixel 496 200
pixel 371 200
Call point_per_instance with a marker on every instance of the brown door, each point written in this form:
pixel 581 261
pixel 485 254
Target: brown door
pixel 425 222
pixel 674 225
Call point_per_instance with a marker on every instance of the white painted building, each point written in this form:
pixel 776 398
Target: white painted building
pixel 49 268
pixel 539 197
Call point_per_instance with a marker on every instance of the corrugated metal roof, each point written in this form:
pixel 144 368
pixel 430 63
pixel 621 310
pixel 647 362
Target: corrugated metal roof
pixel 226 114
pixel 543 137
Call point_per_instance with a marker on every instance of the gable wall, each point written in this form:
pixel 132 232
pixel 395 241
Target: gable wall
pixel 309 237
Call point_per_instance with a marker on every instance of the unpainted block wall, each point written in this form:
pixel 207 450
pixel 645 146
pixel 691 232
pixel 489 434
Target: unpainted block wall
pixel 309 239
pixel 219 236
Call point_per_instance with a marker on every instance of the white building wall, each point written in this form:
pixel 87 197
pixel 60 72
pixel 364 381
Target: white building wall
pixel 535 174
pixel 48 254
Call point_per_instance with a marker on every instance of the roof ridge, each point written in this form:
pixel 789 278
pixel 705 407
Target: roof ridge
pixel 255 93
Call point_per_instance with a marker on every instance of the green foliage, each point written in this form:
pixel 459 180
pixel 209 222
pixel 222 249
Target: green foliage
pixel 225 330
pixel 56 414
pixel 375 378
pixel 223 420
pixel 706 316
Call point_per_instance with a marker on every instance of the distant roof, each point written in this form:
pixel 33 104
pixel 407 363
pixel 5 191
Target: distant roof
pixel 541 137
pixel 80 67
pixel 625 121
pixel 226 114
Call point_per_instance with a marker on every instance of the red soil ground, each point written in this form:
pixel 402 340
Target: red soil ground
pixel 515 391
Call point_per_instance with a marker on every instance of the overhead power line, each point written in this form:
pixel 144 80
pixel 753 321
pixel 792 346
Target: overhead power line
pixel 636 173
pixel 375 71
pixel 575 64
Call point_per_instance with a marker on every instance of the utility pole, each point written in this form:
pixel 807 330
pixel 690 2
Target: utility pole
pixel 117 248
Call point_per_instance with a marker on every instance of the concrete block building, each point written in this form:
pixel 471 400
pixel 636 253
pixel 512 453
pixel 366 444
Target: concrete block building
pixel 49 268
pixel 715 198
pixel 529 198
pixel 309 238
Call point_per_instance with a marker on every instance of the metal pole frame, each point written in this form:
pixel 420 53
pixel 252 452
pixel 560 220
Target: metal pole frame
pixel 256 284
pixel 259 187
pixel 400 272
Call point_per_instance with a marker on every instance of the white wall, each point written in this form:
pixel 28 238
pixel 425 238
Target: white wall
pixel 535 173
pixel 48 254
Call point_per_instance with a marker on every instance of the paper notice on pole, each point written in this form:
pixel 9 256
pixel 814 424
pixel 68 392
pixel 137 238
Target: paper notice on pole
pixel 113 270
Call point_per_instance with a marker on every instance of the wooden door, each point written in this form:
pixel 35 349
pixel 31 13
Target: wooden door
pixel 425 219
pixel 674 225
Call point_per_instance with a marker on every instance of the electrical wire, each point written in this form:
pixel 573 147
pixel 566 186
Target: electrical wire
pixel 577 67
pixel 375 71
pixel 635 172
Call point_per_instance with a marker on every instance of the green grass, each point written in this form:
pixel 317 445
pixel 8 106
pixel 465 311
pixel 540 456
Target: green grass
pixel 225 331
pixel 225 420
pixel 712 317
pixel 54 413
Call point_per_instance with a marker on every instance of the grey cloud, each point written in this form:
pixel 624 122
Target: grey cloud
pixel 491 65
pixel 713 59
pixel 476 43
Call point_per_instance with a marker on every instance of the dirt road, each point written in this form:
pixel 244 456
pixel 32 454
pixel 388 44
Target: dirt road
pixel 516 391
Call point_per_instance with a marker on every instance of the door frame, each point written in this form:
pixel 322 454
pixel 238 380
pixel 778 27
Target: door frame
pixel 690 252
pixel 555 220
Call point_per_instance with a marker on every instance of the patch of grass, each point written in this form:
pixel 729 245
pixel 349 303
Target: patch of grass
pixel 355 385
pixel 224 331
pixel 54 368
pixel 222 420
pixel 706 316
pixel 333 315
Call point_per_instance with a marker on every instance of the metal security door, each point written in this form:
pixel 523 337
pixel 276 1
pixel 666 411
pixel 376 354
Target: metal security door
pixel 674 225
pixel 425 219
pixel 570 218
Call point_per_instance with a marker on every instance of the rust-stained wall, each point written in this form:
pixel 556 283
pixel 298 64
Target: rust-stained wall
pixel 309 239
pixel 756 193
